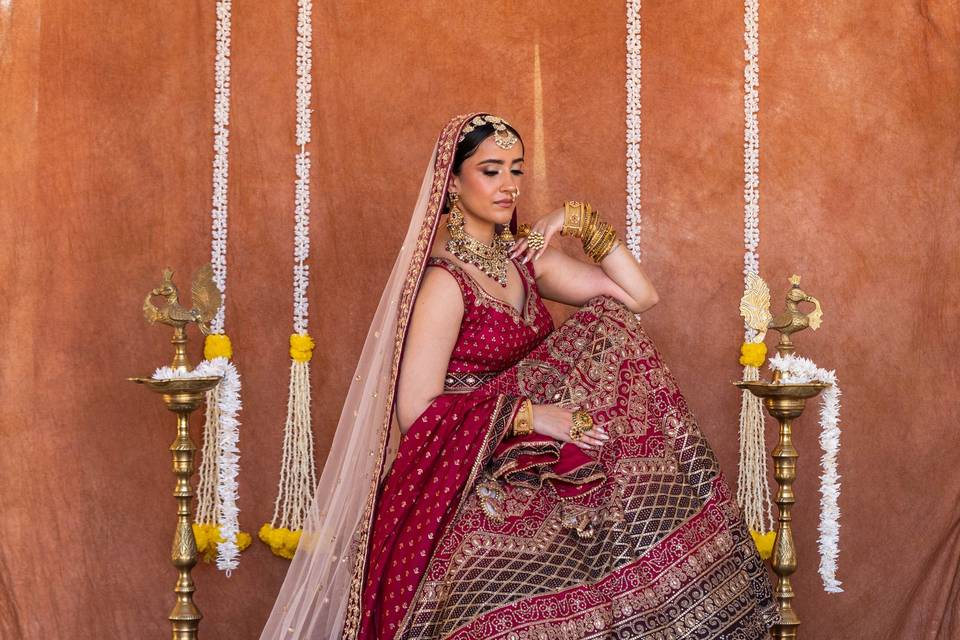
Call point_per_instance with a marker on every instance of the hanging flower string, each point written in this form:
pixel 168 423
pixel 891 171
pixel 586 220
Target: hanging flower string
pixel 220 425
pixel 795 369
pixel 634 129
pixel 217 531
pixel 221 142
pixel 298 476
pixel 753 488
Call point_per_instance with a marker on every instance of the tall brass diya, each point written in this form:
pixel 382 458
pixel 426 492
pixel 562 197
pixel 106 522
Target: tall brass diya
pixel 785 402
pixel 182 396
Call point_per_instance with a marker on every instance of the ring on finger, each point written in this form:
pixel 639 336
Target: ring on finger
pixel 581 422
pixel 535 240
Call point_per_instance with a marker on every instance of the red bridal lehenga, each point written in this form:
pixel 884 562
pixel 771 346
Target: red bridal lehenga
pixel 474 534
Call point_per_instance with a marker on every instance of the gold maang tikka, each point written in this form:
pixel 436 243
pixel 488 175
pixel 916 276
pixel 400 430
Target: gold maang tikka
pixel 491 258
pixel 502 135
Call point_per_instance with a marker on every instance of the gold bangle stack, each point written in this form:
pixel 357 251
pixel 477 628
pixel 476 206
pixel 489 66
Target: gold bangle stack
pixel 573 216
pixel 580 220
pixel 523 421
pixel 582 423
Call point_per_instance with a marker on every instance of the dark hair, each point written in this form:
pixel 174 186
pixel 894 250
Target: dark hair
pixel 473 140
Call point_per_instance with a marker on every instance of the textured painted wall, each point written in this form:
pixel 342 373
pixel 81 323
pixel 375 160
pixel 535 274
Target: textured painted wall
pixel 104 179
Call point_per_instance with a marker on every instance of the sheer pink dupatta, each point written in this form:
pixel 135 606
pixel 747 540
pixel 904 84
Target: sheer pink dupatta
pixel 320 597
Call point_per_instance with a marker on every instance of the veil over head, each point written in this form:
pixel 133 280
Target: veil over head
pixel 320 597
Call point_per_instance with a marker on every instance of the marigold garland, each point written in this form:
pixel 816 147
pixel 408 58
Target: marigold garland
pixel 298 476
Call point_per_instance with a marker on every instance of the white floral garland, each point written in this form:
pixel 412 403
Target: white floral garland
pixel 228 452
pixel 634 129
pixel 221 142
pixel 795 369
pixel 751 146
pixel 301 247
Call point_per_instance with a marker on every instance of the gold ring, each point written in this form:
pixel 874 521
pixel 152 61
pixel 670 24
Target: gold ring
pixel 582 420
pixel 535 240
pixel 582 423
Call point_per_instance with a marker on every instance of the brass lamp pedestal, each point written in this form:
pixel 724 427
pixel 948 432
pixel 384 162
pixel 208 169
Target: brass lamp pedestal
pixel 785 402
pixel 183 395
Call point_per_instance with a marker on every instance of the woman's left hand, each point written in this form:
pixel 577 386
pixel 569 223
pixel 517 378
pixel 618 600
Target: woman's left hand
pixel 548 225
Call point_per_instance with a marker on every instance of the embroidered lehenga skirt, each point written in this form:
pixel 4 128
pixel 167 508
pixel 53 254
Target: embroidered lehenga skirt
pixel 484 536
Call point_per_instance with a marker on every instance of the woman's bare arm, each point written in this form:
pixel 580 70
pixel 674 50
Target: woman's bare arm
pixel 571 281
pixel 433 332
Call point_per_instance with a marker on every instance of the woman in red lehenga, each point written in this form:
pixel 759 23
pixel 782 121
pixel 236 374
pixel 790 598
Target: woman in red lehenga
pixel 493 477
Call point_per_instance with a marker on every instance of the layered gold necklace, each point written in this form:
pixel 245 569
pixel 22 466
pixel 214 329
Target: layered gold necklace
pixel 491 258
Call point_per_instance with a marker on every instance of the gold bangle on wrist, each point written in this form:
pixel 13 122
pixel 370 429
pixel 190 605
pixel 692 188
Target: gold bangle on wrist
pixel 574 213
pixel 596 239
pixel 580 220
pixel 605 246
pixel 523 420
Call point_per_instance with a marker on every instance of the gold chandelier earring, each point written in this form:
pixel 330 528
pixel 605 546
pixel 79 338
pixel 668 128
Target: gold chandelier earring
pixel 454 216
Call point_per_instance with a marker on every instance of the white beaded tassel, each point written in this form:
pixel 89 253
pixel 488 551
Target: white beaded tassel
pixel 297 467
pixel 634 129
pixel 298 475
pixel 753 489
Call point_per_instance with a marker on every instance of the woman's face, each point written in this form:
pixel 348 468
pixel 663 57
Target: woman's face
pixel 487 181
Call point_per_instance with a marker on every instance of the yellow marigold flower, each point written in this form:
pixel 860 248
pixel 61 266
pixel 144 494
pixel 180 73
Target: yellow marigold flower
pixel 243 540
pixel 282 541
pixel 200 536
pixel 217 346
pixel 301 347
pixel 208 538
pixel 752 354
pixel 764 542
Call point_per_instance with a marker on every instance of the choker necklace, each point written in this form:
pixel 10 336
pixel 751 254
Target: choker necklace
pixel 489 258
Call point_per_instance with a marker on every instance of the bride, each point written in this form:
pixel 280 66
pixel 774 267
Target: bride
pixel 495 478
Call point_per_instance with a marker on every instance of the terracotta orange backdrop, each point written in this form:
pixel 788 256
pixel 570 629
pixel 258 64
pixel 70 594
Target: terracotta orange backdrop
pixel 105 129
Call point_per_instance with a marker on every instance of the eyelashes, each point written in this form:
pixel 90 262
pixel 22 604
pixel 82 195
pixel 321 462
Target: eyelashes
pixel 516 172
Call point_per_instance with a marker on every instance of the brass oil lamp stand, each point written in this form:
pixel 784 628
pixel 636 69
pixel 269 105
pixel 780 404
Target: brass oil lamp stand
pixel 182 396
pixel 786 402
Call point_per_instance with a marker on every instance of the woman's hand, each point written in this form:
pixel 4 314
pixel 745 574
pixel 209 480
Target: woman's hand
pixel 555 422
pixel 547 225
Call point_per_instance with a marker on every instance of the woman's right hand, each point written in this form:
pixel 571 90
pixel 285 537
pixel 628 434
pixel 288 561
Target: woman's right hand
pixel 555 422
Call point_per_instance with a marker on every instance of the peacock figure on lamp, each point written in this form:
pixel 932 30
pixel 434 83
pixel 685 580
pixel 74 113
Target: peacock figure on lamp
pixel 205 299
